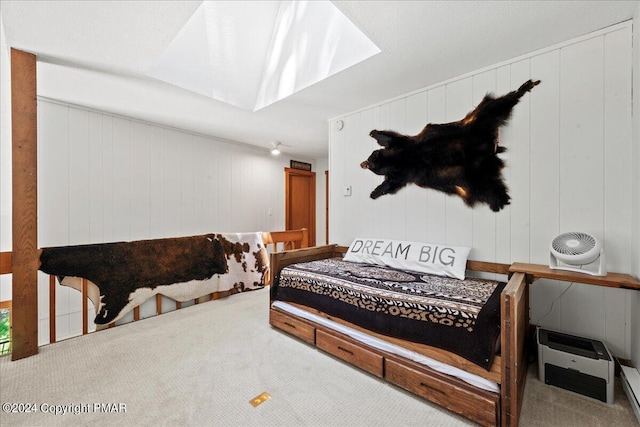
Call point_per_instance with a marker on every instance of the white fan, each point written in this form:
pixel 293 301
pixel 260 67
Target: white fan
pixel 575 250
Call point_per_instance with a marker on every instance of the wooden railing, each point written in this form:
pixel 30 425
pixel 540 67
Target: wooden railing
pixel 5 263
pixel 273 240
pixel 290 239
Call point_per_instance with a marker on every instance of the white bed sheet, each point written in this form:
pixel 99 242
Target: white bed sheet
pixel 473 379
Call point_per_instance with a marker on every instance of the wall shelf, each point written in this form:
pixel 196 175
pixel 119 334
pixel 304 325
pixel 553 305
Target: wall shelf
pixel 612 280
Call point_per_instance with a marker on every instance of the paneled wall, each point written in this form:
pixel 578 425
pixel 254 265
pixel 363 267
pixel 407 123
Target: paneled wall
pixel 5 154
pixel 568 168
pixel 635 250
pixel 104 178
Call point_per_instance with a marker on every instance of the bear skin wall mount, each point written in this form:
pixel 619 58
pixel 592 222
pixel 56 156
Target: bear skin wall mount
pixel 459 158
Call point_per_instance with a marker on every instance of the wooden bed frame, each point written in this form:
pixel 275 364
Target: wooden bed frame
pixel 509 368
pixel 279 240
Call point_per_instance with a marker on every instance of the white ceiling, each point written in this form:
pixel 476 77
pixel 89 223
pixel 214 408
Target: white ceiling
pixel 97 53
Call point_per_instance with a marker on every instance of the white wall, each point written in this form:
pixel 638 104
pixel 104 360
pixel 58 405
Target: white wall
pixel 569 167
pixel 5 156
pixel 635 252
pixel 104 178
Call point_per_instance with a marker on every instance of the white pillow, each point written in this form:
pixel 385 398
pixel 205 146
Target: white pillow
pixel 441 260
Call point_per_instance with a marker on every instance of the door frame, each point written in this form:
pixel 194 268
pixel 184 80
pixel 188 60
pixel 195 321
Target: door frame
pixel 326 206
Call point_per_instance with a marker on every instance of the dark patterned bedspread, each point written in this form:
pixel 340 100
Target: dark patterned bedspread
pixel 461 316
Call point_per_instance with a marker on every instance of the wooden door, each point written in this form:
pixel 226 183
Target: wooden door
pixel 300 201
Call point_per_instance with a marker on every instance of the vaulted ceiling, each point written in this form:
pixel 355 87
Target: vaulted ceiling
pixel 98 54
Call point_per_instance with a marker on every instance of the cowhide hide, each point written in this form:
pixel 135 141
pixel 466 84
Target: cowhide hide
pixel 123 275
pixel 457 158
pixel 247 261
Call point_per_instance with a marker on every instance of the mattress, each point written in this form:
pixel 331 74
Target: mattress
pixel 371 341
pixel 460 316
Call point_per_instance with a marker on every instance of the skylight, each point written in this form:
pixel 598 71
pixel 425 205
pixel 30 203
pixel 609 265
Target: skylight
pixel 253 53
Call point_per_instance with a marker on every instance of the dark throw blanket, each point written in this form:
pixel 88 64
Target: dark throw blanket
pixel 461 316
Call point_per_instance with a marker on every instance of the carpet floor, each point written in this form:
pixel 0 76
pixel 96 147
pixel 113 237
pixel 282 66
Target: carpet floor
pixel 201 366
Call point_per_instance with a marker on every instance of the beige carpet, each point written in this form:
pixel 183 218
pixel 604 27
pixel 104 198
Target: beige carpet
pixel 201 366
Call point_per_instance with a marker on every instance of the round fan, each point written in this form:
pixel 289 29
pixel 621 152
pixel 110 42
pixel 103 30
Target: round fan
pixel 575 250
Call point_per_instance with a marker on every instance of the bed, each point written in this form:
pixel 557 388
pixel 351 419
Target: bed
pixel 488 393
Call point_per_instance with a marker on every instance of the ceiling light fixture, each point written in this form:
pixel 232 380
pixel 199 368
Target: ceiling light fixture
pixel 276 148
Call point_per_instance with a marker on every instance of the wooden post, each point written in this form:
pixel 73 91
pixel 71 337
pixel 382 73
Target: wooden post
pixel 25 260
pixel 304 243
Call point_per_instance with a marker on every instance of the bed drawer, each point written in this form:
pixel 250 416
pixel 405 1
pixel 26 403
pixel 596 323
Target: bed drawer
pixel 480 406
pixel 352 353
pixel 295 327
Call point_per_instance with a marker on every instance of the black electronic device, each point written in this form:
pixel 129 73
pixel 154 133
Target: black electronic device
pixel 582 365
